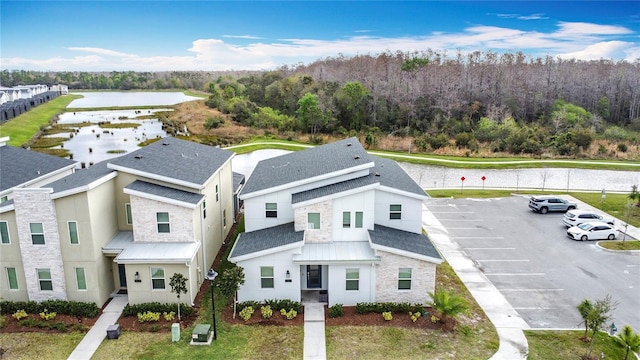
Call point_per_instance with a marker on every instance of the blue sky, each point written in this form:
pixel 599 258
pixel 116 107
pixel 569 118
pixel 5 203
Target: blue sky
pixel 250 35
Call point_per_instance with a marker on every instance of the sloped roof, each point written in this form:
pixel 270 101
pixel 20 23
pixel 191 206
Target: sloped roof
pixel 174 159
pixel 81 177
pixel 18 166
pixel 265 239
pixel 306 164
pixel 238 180
pixel 404 241
pixel 165 192
pixel 132 252
pixel 336 252
pixel 386 172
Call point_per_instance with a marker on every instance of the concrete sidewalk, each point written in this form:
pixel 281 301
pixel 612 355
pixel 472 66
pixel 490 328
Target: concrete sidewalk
pixel 93 339
pixel 508 323
pixel 314 337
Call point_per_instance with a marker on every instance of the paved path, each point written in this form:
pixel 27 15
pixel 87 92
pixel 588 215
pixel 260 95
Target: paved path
pixel 508 323
pixel 93 339
pixel 314 338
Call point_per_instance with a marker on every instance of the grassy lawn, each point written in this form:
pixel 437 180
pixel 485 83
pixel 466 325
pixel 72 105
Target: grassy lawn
pixel 28 346
pixel 22 128
pixel 619 245
pixel 560 345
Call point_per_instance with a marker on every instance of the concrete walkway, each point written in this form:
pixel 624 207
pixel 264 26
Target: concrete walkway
pixel 314 338
pixel 93 339
pixel 508 323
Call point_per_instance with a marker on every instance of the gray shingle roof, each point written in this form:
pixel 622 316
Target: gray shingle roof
pixel 403 240
pixel 82 177
pixel 386 172
pixel 238 179
pixel 306 164
pixel 264 239
pixel 175 159
pixel 18 165
pixel 165 192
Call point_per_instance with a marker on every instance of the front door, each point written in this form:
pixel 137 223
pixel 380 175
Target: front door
pixel 122 275
pixel 314 276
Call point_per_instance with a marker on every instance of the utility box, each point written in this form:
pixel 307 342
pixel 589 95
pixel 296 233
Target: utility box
pixel 175 332
pixel 201 333
pixel 113 331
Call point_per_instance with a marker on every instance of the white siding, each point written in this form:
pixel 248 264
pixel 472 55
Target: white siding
pixel 337 285
pixel 364 202
pixel 281 262
pixel 411 212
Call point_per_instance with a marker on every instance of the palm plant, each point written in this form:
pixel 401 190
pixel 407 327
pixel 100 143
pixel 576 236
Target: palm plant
pixel 629 339
pixel 448 305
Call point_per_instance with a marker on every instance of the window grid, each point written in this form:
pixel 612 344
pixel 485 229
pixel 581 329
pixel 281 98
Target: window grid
pixel 404 279
pixel 313 221
pixel 346 219
pixel 37 233
pixel 271 210
pixel 157 278
pixel 352 279
pixel 4 233
pixel 395 212
pixel 73 232
pixel 13 278
pixel 163 222
pixel 80 279
pixel 359 217
pixel 44 278
pixel 266 277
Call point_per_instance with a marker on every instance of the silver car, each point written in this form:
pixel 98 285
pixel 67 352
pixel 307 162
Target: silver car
pixel 577 217
pixel 597 230
pixel 544 204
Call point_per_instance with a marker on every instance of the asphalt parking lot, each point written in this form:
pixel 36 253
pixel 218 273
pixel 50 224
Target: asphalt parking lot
pixel 541 272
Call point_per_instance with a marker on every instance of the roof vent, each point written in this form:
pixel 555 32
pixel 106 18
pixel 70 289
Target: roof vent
pixel 348 144
pixel 377 174
pixel 165 144
pixel 357 157
pixel 138 156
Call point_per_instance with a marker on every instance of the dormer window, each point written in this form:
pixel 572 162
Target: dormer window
pixel 395 212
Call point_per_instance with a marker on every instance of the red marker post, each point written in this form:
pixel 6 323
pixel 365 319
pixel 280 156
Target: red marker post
pixel 461 183
pixel 483 179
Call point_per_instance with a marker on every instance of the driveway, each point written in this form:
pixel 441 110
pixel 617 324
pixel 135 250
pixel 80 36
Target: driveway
pixel 543 274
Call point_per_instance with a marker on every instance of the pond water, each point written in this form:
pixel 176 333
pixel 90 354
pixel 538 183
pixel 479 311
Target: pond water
pixel 135 98
pixel 92 144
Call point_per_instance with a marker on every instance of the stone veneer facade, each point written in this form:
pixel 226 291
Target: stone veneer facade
pixel 36 206
pixel 145 228
pixel 323 234
pixel 423 276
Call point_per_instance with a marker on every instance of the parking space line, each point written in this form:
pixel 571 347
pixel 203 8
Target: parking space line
pixel 467 228
pixel 460 220
pixel 530 290
pixel 515 274
pixel 453 212
pixel 478 237
pixel 508 260
pixel 487 248
pixel 535 308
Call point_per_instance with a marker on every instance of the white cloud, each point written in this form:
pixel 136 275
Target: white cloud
pixel 572 40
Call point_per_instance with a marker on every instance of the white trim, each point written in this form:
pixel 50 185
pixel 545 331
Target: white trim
pixel 77 232
pixel 403 193
pixel 308 180
pixel 6 208
pixel 164 278
pixel 405 253
pixel 213 175
pixel 8 233
pixel 84 273
pixel 25 185
pixel 277 249
pixel 155 176
pixel 164 199
pixel 85 188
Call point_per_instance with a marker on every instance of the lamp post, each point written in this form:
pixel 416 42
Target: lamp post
pixel 211 275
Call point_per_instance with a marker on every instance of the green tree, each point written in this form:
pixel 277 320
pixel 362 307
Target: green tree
pixel 629 340
pixel 353 98
pixel 584 308
pixel 309 113
pixel 448 305
pixel 229 283
pixel 598 316
pixel 635 195
pixel 178 285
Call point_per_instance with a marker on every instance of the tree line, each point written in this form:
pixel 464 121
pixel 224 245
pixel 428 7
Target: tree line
pixel 509 102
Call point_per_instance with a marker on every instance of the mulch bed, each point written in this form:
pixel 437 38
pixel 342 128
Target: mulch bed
pixel 11 325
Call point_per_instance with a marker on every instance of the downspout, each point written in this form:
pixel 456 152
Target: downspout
pixel 204 266
pixel 372 293
pixel 222 225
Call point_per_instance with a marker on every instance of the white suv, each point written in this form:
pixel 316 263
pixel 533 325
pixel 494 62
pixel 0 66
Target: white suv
pixel 577 217
pixel 544 204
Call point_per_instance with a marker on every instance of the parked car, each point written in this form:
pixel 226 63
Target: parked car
pixel 577 217
pixel 596 230
pixel 544 204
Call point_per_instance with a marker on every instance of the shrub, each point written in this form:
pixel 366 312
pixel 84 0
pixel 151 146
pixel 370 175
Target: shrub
pixel 133 310
pixel 387 315
pixel 19 315
pixel 290 315
pixel 622 147
pixel 434 319
pixel 279 304
pixel 46 315
pixel 415 316
pixel 336 311
pixel 148 316
pixel 214 122
pixel 74 308
pixel 246 313
pixel 169 316
pixel 253 304
pixel 266 311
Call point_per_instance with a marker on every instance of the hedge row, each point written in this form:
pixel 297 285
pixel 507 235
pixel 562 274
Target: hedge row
pixel 380 307
pixel 74 308
pixel 156 307
pixel 275 304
